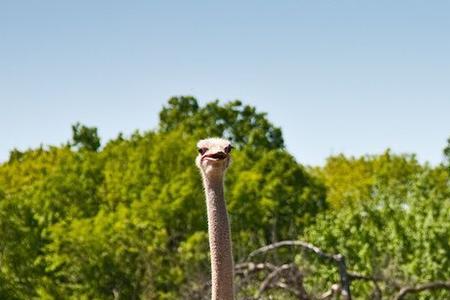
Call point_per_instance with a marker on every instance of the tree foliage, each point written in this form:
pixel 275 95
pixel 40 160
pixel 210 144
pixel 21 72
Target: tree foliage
pixel 128 220
pixel 401 238
pixel 85 137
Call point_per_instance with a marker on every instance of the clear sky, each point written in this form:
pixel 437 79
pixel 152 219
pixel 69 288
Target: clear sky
pixel 338 76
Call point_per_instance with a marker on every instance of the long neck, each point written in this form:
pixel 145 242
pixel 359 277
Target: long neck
pixel 219 240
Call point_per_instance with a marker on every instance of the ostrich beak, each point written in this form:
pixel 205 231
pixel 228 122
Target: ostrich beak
pixel 215 156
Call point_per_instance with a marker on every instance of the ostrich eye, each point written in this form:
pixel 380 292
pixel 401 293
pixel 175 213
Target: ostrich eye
pixel 228 149
pixel 202 150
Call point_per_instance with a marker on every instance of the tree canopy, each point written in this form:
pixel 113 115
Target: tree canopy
pixel 127 220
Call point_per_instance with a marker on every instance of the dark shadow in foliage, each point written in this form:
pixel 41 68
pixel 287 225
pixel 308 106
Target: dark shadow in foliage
pixel 85 137
pixel 447 154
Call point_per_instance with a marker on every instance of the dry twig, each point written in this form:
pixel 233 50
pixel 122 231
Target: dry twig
pixel 423 287
pixel 339 259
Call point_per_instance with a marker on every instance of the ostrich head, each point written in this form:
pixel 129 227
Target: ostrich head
pixel 214 156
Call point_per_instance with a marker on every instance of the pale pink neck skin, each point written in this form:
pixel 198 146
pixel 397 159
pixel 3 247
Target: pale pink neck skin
pixel 222 268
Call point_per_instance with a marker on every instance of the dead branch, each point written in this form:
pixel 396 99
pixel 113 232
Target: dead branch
pixel 287 277
pixel 274 275
pixel 335 291
pixel 248 267
pixel 339 259
pixel 304 245
pixel 423 287
pixel 291 274
pixel 288 288
pixel 345 280
pixel 244 271
pixel 278 278
pixel 358 276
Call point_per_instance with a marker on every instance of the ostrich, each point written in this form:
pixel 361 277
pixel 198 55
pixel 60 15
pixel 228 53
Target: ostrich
pixel 213 160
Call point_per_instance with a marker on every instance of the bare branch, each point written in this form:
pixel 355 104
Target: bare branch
pixel 339 259
pixel 358 276
pixel 335 290
pixel 294 282
pixel 419 288
pixel 304 245
pixel 286 287
pixel 272 277
pixel 247 267
pixel 287 277
pixel 345 280
pixel 244 271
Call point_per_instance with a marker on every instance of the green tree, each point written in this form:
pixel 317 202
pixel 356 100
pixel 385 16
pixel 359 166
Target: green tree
pixel 129 220
pixel 85 137
pixel 401 238
pixel 349 180
pixel 242 124
pixel 447 154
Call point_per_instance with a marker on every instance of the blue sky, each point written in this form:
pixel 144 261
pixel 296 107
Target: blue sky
pixel 338 76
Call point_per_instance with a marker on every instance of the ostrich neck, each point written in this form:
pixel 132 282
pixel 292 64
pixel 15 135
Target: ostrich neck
pixel 219 240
